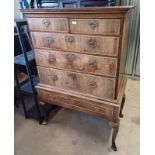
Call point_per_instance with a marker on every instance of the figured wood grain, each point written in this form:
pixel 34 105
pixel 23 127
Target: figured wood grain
pixel 48 24
pixel 94 36
pixel 77 62
pixel 66 99
pixel 95 26
pixel 80 96
pixel 71 103
pixel 102 87
pixel 95 45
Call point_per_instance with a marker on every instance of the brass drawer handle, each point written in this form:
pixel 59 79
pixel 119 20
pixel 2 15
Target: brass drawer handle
pixel 73 76
pixel 54 77
pixel 92 43
pixel 93 84
pixel 50 40
pixel 93 24
pixel 52 58
pixel 92 63
pixel 46 22
pixel 69 39
pixel 70 57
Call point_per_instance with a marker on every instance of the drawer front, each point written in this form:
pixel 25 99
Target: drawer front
pixel 97 45
pixel 68 102
pixel 74 61
pixel 95 26
pixel 100 87
pixel 48 24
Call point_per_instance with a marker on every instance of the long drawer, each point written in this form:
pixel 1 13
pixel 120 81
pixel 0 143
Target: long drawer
pixel 96 45
pixel 75 104
pixel 48 24
pixel 101 87
pixel 77 62
pixel 95 26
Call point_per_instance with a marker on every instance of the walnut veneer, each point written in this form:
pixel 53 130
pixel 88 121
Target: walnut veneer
pixel 80 57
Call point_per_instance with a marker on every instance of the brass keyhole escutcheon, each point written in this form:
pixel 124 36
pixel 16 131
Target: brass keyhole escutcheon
pixel 46 22
pixel 73 76
pixel 52 58
pixel 54 77
pixel 92 63
pixel 48 41
pixel 92 84
pixel 70 57
pixel 93 24
pixel 69 39
pixel 92 43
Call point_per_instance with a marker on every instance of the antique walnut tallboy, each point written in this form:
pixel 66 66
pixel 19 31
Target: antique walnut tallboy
pixel 80 58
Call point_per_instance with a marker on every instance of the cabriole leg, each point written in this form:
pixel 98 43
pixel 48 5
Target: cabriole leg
pixel 115 127
pixel 122 106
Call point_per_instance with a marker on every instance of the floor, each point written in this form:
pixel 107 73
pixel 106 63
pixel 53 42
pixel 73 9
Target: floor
pixel 75 133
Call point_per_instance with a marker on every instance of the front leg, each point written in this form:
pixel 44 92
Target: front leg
pixel 115 127
pixel 122 106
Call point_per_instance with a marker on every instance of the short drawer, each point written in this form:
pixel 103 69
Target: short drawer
pixel 77 62
pixel 75 104
pixel 96 45
pixel 101 87
pixel 48 24
pixel 95 26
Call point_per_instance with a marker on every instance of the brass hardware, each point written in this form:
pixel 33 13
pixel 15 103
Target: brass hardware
pixel 52 58
pixel 92 84
pixel 92 63
pixel 73 76
pixel 70 57
pixel 54 77
pixel 69 39
pixel 92 43
pixel 93 25
pixel 46 22
pixel 48 41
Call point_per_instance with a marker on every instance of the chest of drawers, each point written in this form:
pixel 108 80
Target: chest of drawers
pixel 80 57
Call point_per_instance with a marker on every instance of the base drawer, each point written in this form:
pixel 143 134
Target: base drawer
pixel 75 104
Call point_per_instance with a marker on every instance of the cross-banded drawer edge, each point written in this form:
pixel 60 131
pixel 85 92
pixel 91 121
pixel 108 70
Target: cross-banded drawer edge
pixel 67 102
